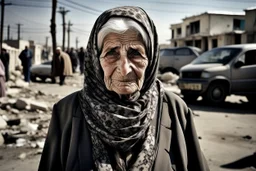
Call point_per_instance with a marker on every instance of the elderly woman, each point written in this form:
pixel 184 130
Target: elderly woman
pixel 122 119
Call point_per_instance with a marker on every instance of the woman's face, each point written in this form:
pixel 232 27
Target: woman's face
pixel 124 61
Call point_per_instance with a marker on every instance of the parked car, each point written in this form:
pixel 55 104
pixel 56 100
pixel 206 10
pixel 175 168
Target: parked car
pixel 220 72
pixel 172 59
pixel 42 71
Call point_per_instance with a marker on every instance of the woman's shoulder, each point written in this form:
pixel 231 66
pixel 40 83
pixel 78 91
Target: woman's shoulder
pixel 171 97
pixel 68 103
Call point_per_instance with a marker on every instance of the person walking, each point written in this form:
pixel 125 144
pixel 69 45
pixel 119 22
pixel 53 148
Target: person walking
pixel 2 80
pixel 81 56
pixel 26 61
pixel 5 58
pixel 73 57
pixel 61 65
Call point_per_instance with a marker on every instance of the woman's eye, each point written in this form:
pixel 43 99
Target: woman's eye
pixel 134 53
pixel 111 52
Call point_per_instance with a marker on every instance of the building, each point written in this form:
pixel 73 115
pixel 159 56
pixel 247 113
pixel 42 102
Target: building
pixel 250 24
pixel 20 45
pixel 209 30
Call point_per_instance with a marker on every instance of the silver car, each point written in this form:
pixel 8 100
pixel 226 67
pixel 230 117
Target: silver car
pixel 42 71
pixel 220 72
pixel 172 59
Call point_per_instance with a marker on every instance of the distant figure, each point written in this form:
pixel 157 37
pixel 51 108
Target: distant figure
pixel 61 65
pixel 2 80
pixel 81 56
pixel 5 58
pixel 26 61
pixel 73 57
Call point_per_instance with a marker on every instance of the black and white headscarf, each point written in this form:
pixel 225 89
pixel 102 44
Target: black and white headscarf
pixel 121 124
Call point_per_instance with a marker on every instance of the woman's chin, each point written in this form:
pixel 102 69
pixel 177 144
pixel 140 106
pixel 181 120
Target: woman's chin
pixel 125 90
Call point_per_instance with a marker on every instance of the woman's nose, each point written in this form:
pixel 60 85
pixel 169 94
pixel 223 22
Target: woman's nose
pixel 124 65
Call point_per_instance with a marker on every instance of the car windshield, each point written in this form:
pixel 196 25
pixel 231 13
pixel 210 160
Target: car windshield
pixel 217 55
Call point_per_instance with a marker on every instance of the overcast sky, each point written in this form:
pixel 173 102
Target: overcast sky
pixel 34 16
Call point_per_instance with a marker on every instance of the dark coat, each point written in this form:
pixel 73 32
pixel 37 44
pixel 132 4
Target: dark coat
pixel 68 145
pixel 61 65
pixel 26 58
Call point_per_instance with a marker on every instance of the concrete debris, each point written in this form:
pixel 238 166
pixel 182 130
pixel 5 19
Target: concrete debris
pixel 24 115
pixel 3 123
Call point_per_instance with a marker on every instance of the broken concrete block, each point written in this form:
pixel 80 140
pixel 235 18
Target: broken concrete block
pixel 21 103
pixel 1 140
pixel 3 123
pixel 38 105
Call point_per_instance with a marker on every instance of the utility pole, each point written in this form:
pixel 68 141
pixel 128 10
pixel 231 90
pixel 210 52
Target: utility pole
pixel 77 42
pixel 53 34
pixel 2 23
pixel 19 30
pixel 46 43
pixel 63 12
pixel 8 32
pixel 69 30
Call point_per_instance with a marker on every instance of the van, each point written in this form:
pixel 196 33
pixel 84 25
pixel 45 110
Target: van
pixel 220 72
pixel 172 59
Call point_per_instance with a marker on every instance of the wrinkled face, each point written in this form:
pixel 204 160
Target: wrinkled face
pixel 124 61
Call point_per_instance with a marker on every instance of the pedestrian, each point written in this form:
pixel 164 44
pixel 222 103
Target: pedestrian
pixel 81 56
pixel 73 57
pixel 26 61
pixel 122 119
pixel 2 80
pixel 5 58
pixel 61 66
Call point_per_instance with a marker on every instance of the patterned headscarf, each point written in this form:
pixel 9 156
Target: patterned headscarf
pixel 121 124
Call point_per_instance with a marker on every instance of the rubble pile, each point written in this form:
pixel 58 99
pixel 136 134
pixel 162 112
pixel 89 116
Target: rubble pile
pixel 24 115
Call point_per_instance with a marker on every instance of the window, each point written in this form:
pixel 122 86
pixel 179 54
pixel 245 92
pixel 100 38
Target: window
pixel 238 24
pixel 178 31
pixel 189 43
pixel 214 43
pixel 195 27
pixel 183 52
pixel 172 33
pixel 250 57
pixel 166 52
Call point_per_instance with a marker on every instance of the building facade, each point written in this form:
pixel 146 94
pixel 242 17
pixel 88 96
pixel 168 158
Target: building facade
pixel 209 30
pixel 250 26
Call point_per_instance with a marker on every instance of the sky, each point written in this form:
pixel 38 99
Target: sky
pixel 34 16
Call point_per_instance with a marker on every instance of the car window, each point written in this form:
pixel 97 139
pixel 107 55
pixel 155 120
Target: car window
pixel 182 52
pixel 217 55
pixel 250 57
pixel 166 52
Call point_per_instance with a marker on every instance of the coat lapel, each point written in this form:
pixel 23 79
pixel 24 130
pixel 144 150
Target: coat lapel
pixel 163 161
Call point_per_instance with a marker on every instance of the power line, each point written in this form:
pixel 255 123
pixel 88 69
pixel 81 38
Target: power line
pixel 39 1
pixel 84 6
pixel 28 5
pixel 68 5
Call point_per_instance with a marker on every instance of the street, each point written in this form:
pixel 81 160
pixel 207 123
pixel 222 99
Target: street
pixel 227 133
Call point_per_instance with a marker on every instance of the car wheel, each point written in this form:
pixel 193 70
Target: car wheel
pixel 216 93
pixel 33 78
pixel 43 78
pixel 189 98
pixel 251 98
pixel 53 80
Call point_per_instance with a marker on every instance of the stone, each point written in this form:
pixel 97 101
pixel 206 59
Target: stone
pixel 3 123
pixel 1 140
pixel 38 105
pixel 21 103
